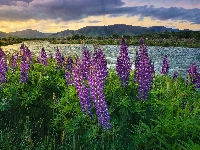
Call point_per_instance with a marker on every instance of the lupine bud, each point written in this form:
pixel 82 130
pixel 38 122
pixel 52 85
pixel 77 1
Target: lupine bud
pixel 43 57
pixel 22 49
pixel 123 66
pixel 37 60
pixel 165 66
pixel 175 75
pixel 51 56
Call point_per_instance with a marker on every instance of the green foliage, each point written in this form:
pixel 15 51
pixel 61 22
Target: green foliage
pixel 29 118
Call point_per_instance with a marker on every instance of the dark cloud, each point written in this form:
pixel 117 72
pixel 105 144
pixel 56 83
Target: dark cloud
pixel 74 10
pixel 94 21
pixel 13 2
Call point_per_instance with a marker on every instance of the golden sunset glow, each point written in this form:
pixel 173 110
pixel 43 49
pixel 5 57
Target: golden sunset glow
pixel 55 16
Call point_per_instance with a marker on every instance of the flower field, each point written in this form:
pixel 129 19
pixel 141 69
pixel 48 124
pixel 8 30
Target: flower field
pixel 71 102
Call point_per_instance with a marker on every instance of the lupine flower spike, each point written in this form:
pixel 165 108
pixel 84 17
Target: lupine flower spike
pixel 193 75
pixel 82 90
pixel 145 72
pixel 96 91
pixel 175 76
pixel 59 59
pixel 123 66
pixel 165 66
pixel 43 57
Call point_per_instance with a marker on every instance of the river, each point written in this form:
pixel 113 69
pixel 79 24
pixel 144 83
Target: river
pixel 179 58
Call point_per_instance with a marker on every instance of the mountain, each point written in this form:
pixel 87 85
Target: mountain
pixel 120 29
pixel 29 33
pixel 4 35
pixel 62 34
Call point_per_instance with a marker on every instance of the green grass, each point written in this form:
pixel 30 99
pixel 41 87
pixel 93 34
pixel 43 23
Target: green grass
pixel 29 119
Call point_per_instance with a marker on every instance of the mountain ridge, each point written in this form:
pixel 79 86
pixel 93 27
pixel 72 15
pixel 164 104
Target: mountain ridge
pixel 120 29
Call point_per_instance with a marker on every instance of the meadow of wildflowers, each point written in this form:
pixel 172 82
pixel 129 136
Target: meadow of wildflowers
pixel 71 102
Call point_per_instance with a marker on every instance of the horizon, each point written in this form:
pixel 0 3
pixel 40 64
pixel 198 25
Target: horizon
pixel 98 26
pixel 52 16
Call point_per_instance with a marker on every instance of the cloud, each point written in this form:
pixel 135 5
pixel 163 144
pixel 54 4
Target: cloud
pixel 3 26
pixel 75 10
pixel 94 21
pixel 13 2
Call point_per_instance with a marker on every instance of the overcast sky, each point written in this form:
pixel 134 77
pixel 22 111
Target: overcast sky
pixel 58 15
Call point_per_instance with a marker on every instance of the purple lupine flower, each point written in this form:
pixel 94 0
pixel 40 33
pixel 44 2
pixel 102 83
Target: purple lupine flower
pixel 59 59
pixel 165 66
pixel 24 69
pixel 43 57
pixel 86 61
pixel 193 75
pixel 38 60
pixel 2 54
pixel 14 62
pixel 145 73
pixel 68 70
pixel 83 92
pixel 123 66
pixel 136 67
pixel 22 49
pixel 28 55
pixel 175 76
pixel 100 60
pixel 3 70
pixel 151 75
pixel 96 91
pixel 51 56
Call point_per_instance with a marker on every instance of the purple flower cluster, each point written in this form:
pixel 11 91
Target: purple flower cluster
pixel 43 57
pixel 96 91
pixel 59 58
pixel 28 55
pixel 83 91
pixel 14 62
pixel 136 67
pixel 123 66
pixel 68 70
pixel 86 62
pixel 2 53
pixel 95 71
pixel 175 75
pixel 145 72
pixel 100 60
pixel 3 69
pixel 24 69
pixel 26 59
pixel 165 66
pixel 51 56
pixel 22 49
pixel 193 75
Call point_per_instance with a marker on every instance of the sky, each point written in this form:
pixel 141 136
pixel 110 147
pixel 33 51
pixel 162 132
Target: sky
pixel 51 16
